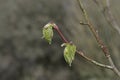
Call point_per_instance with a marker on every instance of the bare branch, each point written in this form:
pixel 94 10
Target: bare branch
pixel 93 61
pixel 108 15
pixel 81 53
pixel 98 39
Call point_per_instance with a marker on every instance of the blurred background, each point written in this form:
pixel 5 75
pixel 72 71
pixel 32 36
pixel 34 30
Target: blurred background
pixel 24 55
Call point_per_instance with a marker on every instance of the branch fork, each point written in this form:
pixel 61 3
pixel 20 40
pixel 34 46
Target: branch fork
pixel 99 41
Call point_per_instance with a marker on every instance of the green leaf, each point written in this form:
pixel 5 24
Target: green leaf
pixel 69 52
pixel 48 32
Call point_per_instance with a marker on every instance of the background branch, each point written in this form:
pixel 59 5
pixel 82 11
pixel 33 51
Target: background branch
pixel 98 39
pixel 108 14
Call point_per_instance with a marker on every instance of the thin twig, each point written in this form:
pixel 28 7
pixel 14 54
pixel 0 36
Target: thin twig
pixel 81 53
pixel 98 39
pixel 82 23
pixel 93 61
pixel 90 25
pixel 60 33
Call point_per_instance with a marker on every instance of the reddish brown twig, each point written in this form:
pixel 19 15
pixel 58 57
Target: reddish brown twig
pixel 81 53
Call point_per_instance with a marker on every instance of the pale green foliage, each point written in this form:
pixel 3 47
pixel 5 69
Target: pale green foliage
pixel 48 32
pixel 69 52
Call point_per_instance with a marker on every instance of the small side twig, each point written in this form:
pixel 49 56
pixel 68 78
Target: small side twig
pixel 93 61
pixel 82 23
pixel 98 39
pixel 90 25
pixel 60 33
pixel 81 53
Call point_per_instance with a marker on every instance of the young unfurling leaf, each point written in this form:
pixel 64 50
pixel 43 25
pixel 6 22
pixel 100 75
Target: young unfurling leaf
pixel 69 52
pixel 48 32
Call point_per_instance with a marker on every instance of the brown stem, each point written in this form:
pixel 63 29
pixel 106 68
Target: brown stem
pixel 93 61
pixel 60 33
pixel 98 39
pixel 90 25
pixel 81 53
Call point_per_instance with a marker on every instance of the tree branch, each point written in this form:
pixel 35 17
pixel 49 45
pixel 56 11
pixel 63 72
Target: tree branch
pixel 108 15
pixel 98 39
pixel 93 61
pixel 81 53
